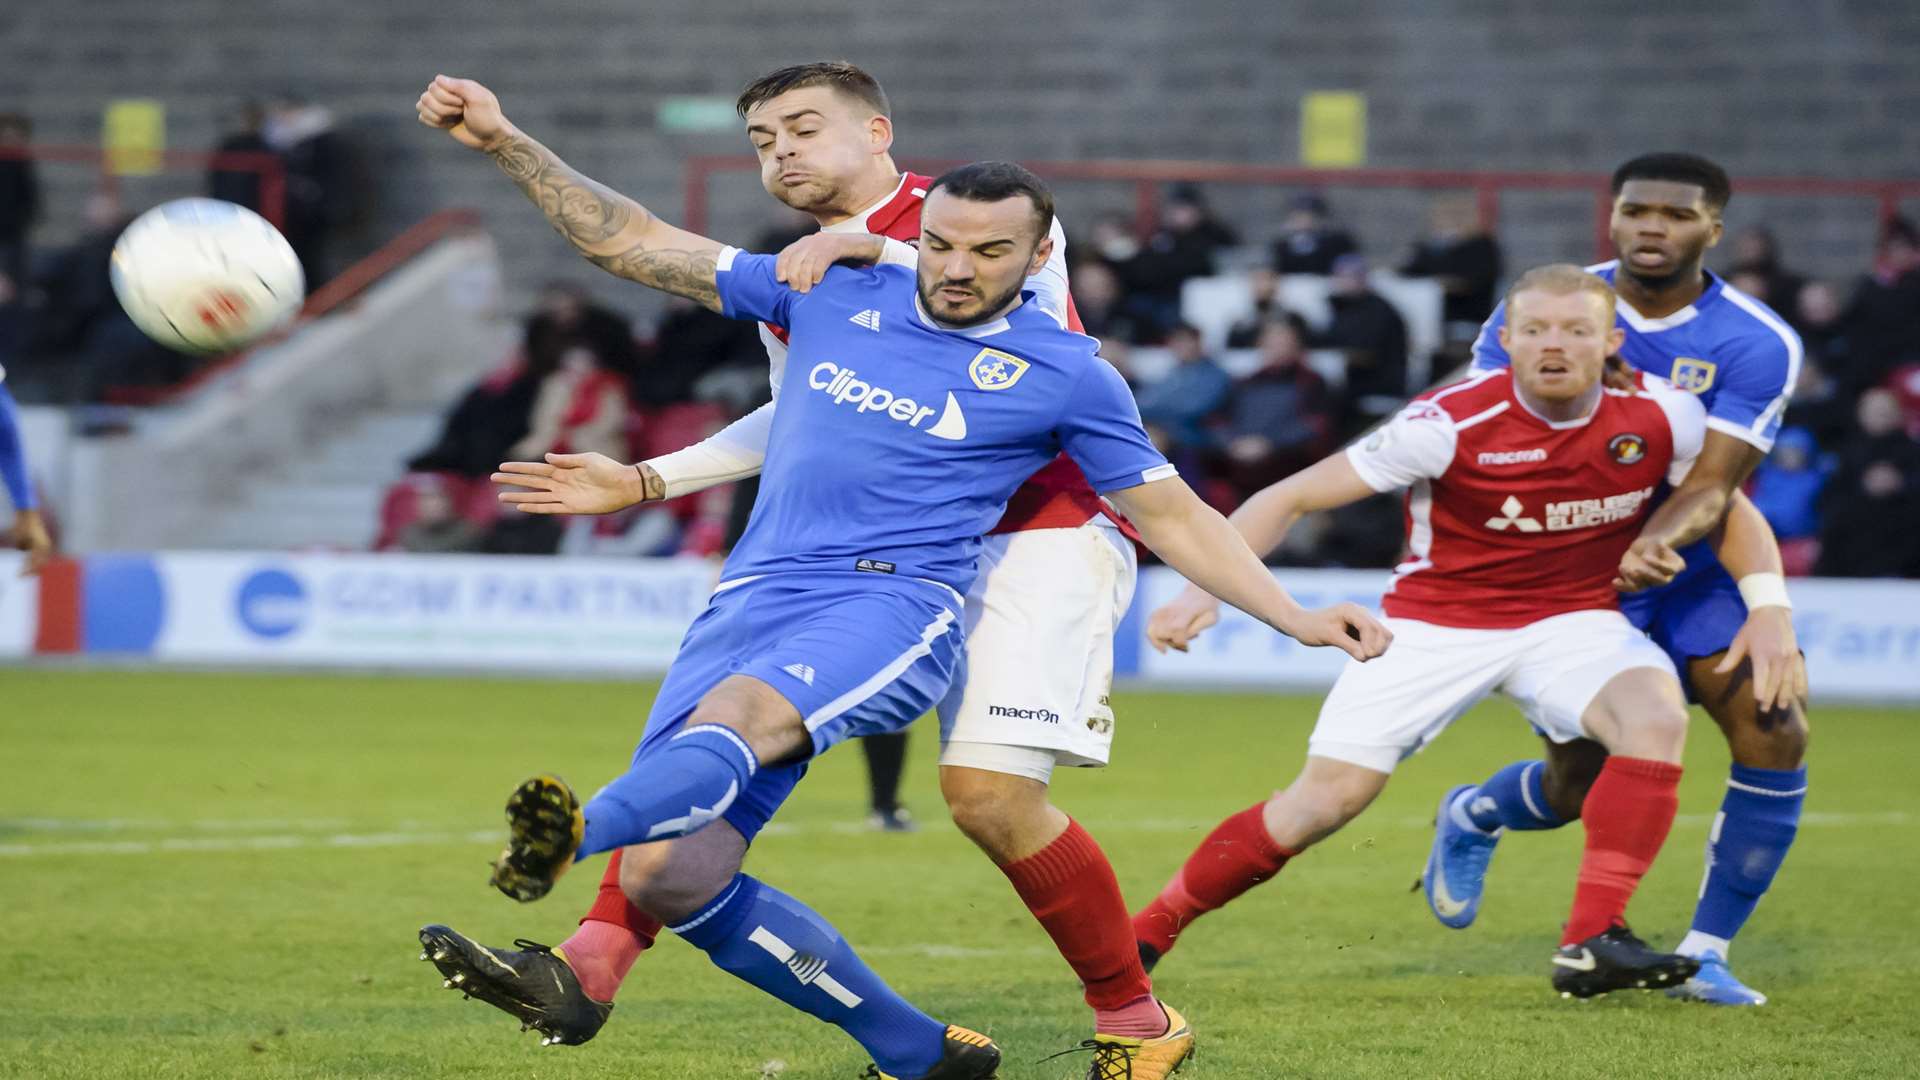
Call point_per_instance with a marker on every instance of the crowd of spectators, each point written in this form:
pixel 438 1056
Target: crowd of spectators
pixel 63 336
pixel 1840 489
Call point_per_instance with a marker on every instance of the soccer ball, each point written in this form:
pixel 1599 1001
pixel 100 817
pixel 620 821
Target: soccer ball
pixel 205 276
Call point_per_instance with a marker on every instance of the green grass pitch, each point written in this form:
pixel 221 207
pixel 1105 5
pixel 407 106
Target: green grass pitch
pixel 221 876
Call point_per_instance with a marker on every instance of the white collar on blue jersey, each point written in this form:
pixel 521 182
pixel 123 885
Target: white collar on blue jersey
pixel 997 326
pixel 1682 317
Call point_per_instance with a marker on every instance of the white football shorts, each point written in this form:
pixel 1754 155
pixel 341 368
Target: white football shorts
pixel 1389 708
pixel 1032 692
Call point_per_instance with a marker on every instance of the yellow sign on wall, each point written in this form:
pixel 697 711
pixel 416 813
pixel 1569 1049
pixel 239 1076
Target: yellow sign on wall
pixel 133 133
pixel 1333 129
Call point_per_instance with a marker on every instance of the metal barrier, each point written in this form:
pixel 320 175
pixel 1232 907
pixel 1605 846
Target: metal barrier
pixel 1147 178
pixel 272 172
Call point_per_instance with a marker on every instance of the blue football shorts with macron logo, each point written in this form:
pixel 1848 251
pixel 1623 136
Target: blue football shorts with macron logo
pixel 857 654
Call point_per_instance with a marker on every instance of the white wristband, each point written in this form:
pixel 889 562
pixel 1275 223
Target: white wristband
pixel 1765 590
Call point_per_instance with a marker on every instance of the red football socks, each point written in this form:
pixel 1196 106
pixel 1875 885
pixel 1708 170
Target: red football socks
pixel 611 937
pixel 1627 814
pixel 1069 886
pixel 1237 855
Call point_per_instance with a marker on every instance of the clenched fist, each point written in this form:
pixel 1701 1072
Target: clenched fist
pixel 465 110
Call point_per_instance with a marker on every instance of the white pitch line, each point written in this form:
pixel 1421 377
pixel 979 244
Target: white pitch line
pixel 205 844
pixel 226 841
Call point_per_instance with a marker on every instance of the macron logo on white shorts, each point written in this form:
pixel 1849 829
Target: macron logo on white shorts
pixel 845 387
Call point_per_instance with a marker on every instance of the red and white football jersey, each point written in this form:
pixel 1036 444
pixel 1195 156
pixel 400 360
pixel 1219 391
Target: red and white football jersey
pixel 1056 497
pixel 1512 518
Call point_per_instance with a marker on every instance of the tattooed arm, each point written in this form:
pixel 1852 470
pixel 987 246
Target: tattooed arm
pixel 612 231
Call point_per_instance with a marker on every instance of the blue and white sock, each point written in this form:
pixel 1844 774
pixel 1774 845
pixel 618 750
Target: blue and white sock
pixel 1513 798
pixel 1750 837
pixel 680 789
pixel 762 935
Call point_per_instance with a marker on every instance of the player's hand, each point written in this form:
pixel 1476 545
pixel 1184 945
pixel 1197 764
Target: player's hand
pixel 1174 624
pixel 1348 627
pixel 1649 562
pixel 465 110
pixel 29 534
pixel 805 261
pixel 1617 374
pixel 572 484
pixel 1767 641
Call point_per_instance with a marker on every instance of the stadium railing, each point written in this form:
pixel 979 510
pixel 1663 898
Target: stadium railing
pixel 272 172
pixel 1147 179
pixel 401 328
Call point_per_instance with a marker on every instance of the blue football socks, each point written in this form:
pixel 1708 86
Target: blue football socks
pixel 1750 837
pixel 1513 798
pixel 686 785
pixel 762 935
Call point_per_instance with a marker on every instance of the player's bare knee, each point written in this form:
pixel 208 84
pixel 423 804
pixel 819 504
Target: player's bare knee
pixel 1772 740
pixel 672 879
pixel 990 808
pixel 1324 797
pixel 758 713
pixel 1571 770
pixel 1640 713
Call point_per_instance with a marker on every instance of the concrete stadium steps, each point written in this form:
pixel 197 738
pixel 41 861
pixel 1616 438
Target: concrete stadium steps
pixel 329 498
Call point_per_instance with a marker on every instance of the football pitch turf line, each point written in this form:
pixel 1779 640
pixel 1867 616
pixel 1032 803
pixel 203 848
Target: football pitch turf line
pixel 295 959
pixel 199 843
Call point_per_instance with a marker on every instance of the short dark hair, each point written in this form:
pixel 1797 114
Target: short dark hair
pixel 992 181
pixel 1678 168
pixel 835 74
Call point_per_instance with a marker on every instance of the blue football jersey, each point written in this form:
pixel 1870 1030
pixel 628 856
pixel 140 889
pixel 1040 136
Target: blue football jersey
pixel 1733 351
pixel 897 443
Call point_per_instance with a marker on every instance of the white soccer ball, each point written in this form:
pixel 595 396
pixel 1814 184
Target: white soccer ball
pixel 205 276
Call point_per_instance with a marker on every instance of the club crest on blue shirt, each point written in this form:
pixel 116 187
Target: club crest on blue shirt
pixel 995 370
pixel 1692 375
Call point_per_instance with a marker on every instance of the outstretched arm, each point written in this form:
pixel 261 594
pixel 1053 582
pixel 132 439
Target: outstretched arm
pixel 29 532
pixel 1262 522
pixel 1195 540
pixel 611 230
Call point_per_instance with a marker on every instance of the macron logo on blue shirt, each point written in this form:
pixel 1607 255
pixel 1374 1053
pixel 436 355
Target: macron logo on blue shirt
pixel 846 388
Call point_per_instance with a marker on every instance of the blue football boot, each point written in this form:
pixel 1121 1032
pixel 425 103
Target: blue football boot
pixel 1457 867
pixel 1715 984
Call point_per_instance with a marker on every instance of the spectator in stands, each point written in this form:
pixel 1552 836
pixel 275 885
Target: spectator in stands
pixel 606 333
pixel 689 344
pixel 1280 418
pixel 1309 240
pixel 1142 300
pixel 580 407
pixel 1872 510
pixel 237 185
pixel 1182 248
pixel 19 204
pixel 1264 284
pixel 496 413
pixel 1463 258
pixel 1787 485
pixel 1819 315
pixel 1183 401
pixel 1101 301
pixel 1884 318
pixel 437 526
pixel 80 343
pixel 1372 336
pixel 1756 260
pixel 320 196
